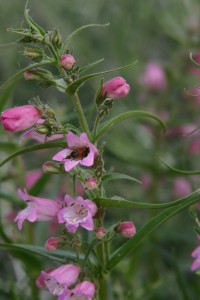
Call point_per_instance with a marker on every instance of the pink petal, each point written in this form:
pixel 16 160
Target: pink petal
pixel 89 160
pixel 70 164
pixel 74 140
pixel 69 200
pixel 91 206
pixel 71 227
pixel 86 288
pixel 60 156
pixel 88 224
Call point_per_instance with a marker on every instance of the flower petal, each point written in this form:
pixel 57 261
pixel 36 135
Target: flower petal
pixel 70 164
pixel 60 156
pixel 74 141
pixel 88 224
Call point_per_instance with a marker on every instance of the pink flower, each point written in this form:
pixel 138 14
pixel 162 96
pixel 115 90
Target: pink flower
pixel 196 58
pixel 19 118
pixel 53 243
pixel 38 209
pixel 181 187
pixel 127 229
pixel 196 255
pixel 83 291
pixel 40 280
pixel 115 88
pixel 61 278
pixel 154 77
pixel 91 183
pixel 32 74
pixel 77 212
pixel 67 61
pixel 79 151
pixel 100 233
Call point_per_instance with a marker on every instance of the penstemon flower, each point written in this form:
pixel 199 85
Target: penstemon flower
pixel 115 88
pixel 82 291
pixel 61 278
pixel 77 212
pixel 80 151
pixel 38 209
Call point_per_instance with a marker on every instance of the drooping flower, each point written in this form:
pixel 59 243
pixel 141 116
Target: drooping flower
pixel 127 229
pixel 53 243
pixel 83 291
pixel 61 278
pixel 196 255
pixel 19 118
pixel 79 151
pixel 38 209
pixel 154 77
pixel 115 88
pixel 77 212
pixel 67 61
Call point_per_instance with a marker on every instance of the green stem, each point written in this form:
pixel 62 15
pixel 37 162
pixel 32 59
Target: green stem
pixel 96 126
pixel 102 292
pixel 80 113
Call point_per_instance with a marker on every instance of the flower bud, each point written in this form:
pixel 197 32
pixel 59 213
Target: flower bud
pixel 91 183
pixel 100 233
pixel 127 229
pixel 34 52
pixel 31 74
pixel 56 38
pixel 51 167
pixel 154 77
pixel 19 118
pixel 115 88
pixel 67 61
pixel 42 129
pixel 53 243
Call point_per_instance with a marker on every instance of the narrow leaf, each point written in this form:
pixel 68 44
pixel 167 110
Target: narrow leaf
pixel 180 171
pixel 33 148
pixel 134 113
pixel 116 176
pixel 72 88
pixel 123 203
pixel 68 40
pixel 32 23
pixel 148 228
pixel 19 74
pixel 89 66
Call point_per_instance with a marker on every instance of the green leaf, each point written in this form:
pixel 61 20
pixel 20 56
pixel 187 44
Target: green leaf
pixel 33 148
pixel 19 74
pixel 116 176
pixel 12 199
pixel 68 40
pixel 73 87
pixel 129 114
pixel 6 146
pixel 58 255
pixel 32 23
pixel 89 66
pixel 180 171
pixel 123 203
pixel 148 228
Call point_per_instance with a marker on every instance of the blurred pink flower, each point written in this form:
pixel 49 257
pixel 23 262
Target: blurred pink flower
pixel 79 151
pixel 91 183
pixel 19 118
pixel 67 61
pixel 115 88
pixel 100 233
pixel 77 212
pixel 194 146
pixel 154 77
pixel 61 278
pixel 181 130
pixel 38 209
pixel 127 229
pixel 196 254
pixel 181 187
pixel 83 291
pixel 53 243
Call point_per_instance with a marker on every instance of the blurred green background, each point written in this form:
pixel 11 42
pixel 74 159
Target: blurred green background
pixel 163 32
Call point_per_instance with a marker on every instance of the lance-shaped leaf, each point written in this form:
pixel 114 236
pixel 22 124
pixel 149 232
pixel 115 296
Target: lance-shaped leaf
pixel 32 23
pixel 68 40
pixel 19 74
pixel 89 66
pixel 73 87
pixel 183 172
pixel 116 176
pixel 129 114
pixel 118 202
pixel 33 148
pixel 58 255
pixel 148 228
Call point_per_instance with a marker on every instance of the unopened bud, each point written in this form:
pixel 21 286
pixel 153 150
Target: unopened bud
pixel 100 233
pixel 56 38
pixel 126 229
pixel 31 74
pixel 34 52
pixel 42 129
pixel 91 183
pixel 53 243
pixel 67 61
pixel 51 167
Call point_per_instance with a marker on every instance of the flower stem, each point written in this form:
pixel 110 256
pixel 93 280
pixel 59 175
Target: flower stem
pixel 81 116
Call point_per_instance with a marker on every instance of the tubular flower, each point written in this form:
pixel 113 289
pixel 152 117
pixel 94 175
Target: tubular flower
pixel 61 278
pixel 77 212
pixel 83 291
pixel 115 88
pixel 38 209
pixel 79 151
pixel 19 118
